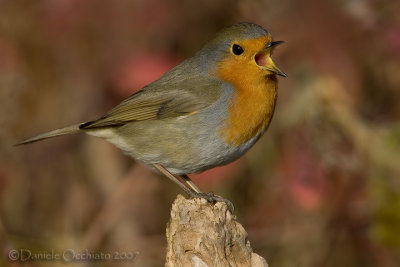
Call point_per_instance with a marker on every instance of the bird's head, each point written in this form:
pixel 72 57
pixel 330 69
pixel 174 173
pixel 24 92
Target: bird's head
pixel 244 48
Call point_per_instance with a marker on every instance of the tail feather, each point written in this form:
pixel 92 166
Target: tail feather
pixel 67 130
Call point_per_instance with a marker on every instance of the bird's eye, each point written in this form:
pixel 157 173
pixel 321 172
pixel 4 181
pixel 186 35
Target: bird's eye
pixel 237 49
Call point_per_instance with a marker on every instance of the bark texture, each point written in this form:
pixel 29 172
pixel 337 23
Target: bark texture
pixel 204 234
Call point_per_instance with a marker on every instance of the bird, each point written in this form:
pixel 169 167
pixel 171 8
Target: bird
pixel 206 112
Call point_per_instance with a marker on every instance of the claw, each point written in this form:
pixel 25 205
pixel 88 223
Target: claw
pixel 212 198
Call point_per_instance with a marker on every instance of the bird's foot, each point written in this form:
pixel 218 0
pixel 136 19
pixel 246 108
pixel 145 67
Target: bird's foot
pixel 212 198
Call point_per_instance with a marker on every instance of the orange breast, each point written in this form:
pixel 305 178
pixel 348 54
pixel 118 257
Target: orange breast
pixel 253 106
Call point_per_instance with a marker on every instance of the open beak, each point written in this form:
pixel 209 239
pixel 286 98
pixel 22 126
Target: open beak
pixel 264 60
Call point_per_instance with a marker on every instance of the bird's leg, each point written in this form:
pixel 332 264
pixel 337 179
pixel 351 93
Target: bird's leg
pixel 173 178
pixel 190 183
pixel 194 191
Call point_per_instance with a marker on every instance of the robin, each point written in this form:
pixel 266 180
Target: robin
pixel 206 112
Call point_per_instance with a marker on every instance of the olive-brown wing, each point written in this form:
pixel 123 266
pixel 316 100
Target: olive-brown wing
pixel 153 102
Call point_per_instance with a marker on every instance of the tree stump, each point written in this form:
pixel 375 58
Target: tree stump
pixel 203 234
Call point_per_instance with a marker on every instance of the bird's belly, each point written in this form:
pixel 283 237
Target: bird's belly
pixel 186 144
pixel 210 156
pixel 186 154
pixel 172 144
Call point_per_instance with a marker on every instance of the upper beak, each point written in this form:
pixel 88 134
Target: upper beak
pixel 264 60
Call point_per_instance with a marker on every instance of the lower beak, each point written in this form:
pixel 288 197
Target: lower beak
pixel 264 60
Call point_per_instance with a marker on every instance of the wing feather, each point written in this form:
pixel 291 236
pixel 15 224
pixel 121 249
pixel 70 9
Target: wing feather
pixel 160 101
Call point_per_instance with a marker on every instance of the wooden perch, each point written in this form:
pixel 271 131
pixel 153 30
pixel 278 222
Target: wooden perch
pixel 204 234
